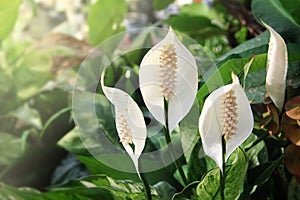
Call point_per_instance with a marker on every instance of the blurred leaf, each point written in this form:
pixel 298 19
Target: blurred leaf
pixel 9 12
pixel 8 192
pixel 54 117
pixel 208 188
pixel 161 4
pixel 285 25
pixel 10 148
pixel 36 63
pixel 105 19
pixel 28 115
pixel 8 92
pixel 189 134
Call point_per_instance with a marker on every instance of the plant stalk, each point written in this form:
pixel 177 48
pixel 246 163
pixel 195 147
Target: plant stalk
pixel 171 148
pixel 222 172
pixel 145 182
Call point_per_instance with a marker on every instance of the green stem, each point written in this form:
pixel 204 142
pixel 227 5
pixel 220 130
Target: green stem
pixel 145 182
pixel 222 172
pixel 171 148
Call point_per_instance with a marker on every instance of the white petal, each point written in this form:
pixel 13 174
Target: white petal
pixel 210 120
pixel 186 82
pixel 209 128
pixel 244 121
pixel 128 108
pixel 277 65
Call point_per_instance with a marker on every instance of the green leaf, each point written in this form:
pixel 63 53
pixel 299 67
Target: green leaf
pixel 10 148
pixel 222 75
pixel 208 188
pixel 199 164
pixel 260 174
pixel 294 190
pixel 105 19
pixel 293 7
pixel 161 4
pixel 8 14
pixel 69 168
pixel 196 20
pixel 8 94
pixel 189 134
pixel 187 193
pixel 254 46
pixel 285 25
pixel 8 192
pixel 99 187
pixel 28 115
pixel 164 190
pixel 35 63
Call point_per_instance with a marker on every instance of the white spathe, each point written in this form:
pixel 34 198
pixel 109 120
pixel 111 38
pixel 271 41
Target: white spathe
pixel 277 66
pixel 127 111
pixel 184 88
pixel 211 118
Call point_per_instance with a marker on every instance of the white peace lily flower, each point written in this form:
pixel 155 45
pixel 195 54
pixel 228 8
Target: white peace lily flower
pixel 277 65
pixel 227 112
pixel 129 120
pixel 169 71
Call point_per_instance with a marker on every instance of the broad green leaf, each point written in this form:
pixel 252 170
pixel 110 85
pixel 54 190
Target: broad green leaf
pixel 285 25
pixel 199 163
pixel 105 19
pixel 99 187
pixel 260 174
pixel 293 7
pixel 187 193
pixel 256 152
pixel 69 168
pixel 10 148
pixel 235 174
pixel 254 46
pixel 164 190
pixel 161 4
pixel 35 63
pixel 8 13
pixel 222 76
pixel 197 20
pixel 197 27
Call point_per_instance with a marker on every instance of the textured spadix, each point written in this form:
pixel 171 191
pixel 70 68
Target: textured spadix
pixel 227 112
pixel 129 120
pixel 169 71
pixel 277 65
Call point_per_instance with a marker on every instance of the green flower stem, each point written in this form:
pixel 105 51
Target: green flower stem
pixel 145 182
pixel 222 172
pixel 171 148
